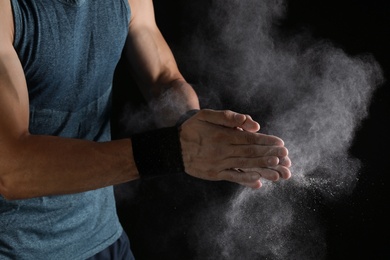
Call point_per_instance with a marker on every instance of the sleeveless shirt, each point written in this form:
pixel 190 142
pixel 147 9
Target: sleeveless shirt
pixel 69 50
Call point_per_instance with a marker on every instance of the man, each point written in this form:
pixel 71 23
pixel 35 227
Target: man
pixel 57 163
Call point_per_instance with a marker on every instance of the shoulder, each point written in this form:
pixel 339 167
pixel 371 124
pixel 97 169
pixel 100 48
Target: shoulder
pixel 6 24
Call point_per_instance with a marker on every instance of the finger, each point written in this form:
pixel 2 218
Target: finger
pixel 245 137
pixel 249 175
pixel 256 162
pixel 252 151
pixel 284 172
pixel 231 121
pixel 266 173
pixel 254 185
pixel 250 125
pixel 233 175
pixel 271 174
pixel 285 161
pixel 226 118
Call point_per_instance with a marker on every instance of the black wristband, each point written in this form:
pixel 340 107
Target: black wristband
pixel 186 116
pixel 158 152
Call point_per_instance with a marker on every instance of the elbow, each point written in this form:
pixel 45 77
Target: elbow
pixel 10 188
pixel 9 185
pixel 4 184
pixel 5 190
pixel 8 193
pixel 10 170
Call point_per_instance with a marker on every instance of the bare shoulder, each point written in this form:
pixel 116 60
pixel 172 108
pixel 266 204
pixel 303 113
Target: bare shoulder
pixel 6 24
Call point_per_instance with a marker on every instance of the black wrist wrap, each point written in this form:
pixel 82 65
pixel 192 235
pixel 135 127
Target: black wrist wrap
pixel 158 152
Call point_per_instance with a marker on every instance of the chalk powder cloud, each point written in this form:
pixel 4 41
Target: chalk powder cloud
pixel 307 91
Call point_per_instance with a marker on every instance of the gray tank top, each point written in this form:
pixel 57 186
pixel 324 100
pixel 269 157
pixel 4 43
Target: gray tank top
pixel 68 50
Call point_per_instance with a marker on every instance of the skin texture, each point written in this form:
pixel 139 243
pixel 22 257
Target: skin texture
pixel 215 144
pixel 227 153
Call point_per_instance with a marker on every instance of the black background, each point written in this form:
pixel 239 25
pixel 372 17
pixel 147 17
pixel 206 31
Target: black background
pixel 357 225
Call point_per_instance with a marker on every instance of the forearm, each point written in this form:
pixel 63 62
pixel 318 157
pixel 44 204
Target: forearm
pixel 154 67
pixel 46 165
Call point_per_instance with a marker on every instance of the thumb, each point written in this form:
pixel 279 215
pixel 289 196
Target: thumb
pixel 227 118
pixel 250 125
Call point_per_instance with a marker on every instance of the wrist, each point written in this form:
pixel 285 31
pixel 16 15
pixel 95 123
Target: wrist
pixel 186 116
pixel 158 152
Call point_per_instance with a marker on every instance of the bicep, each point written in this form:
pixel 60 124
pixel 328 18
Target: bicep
pixel 13 97
pixel 13 89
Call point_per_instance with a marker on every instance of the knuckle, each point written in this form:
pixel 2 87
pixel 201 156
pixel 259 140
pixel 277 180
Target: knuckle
pixel 271 161
pixel 241 163
pixel 227 114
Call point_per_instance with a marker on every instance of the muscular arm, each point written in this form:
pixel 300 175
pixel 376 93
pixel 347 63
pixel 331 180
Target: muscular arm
pixel 156 71
pixel 36 165
pixel 160 80
pixel 32 165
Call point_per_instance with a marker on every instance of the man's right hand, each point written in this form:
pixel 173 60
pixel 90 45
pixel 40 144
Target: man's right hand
pixel 214 148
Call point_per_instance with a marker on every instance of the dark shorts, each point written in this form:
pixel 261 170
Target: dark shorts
pixel 119 250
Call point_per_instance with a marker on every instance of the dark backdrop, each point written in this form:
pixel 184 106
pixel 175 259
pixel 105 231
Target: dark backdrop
pixel 156 213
